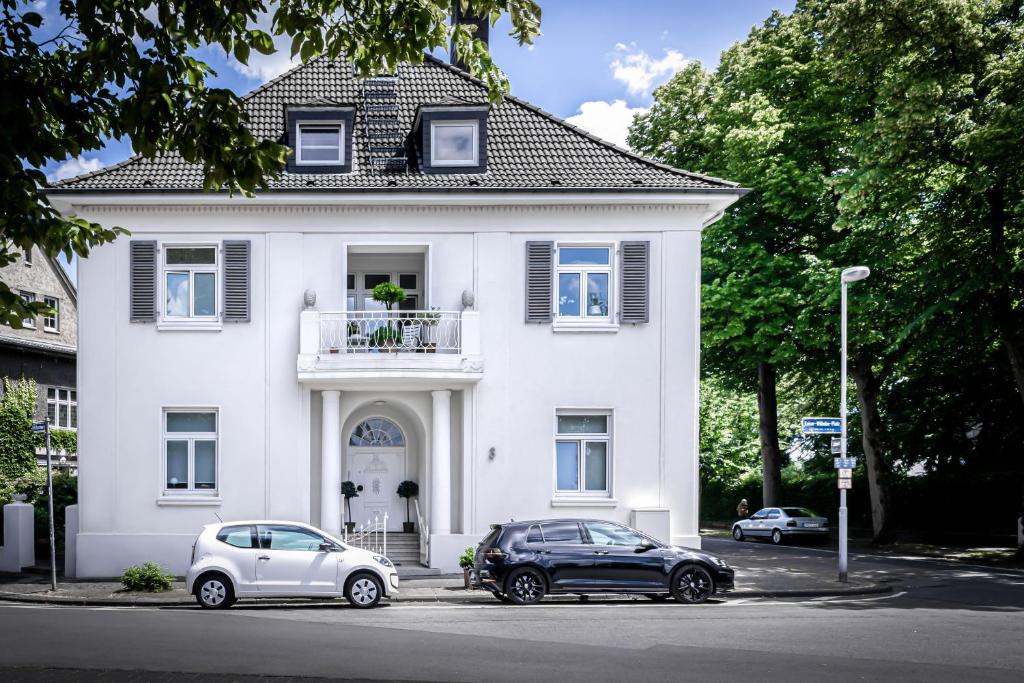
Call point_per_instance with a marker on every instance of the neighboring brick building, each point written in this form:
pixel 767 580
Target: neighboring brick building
pixel 45 348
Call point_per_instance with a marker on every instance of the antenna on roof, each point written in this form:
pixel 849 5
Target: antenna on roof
pixel 218 518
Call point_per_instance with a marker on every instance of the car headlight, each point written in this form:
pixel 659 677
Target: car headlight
pixel 720 562
pixel 383 560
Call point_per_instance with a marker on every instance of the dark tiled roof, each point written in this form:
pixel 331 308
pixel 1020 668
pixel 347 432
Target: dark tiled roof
pixel 527 148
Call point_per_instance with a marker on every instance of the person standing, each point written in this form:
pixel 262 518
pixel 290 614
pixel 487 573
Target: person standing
pixel 742 510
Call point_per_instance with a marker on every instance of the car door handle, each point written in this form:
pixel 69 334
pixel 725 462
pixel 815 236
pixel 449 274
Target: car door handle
pixel 263 557
pixel 601 552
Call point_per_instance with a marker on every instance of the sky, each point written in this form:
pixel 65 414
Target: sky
pixel 596 64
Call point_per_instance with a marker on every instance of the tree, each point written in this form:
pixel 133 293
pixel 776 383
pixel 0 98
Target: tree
pixel 128 69
pixel 762 118
pixel 17 442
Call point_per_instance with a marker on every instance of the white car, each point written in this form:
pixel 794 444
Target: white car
pixel 265 559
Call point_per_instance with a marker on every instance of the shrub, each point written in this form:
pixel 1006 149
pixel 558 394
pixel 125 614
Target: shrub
pixel 467 558
pixel 17 442
pixel 149 577
pixel 389 294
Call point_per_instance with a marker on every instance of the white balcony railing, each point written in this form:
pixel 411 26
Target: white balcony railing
pixel 391 332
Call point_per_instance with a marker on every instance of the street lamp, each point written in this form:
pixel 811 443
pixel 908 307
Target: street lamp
pixel 849 275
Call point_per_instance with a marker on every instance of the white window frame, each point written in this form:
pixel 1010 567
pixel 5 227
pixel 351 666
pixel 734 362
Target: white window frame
pixel 582 493
pixel 28 297
pixel 584 270
pixel 441 163
pixel 299 161
pixel 190 491
pixel 54 303
pixel 192 321
pixel 361 293
pixel 57 402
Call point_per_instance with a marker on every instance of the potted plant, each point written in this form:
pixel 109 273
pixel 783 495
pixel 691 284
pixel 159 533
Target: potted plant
pixel 408 489
pixel 348 489
pixel 466 560
pixel 385 338
pixel 430 332
pixel 389 294
pixel 595 305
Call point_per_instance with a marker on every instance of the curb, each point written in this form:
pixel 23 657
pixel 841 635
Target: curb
pixel 457 596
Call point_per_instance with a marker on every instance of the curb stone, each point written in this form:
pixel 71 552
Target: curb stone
pixel 457 595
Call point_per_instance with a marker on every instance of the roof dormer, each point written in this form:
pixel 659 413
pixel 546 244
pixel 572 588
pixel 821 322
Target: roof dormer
pixel 320 138
pixel 452 138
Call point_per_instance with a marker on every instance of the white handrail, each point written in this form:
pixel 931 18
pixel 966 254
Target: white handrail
pixel 371 536
pixel 424 534
pixel 390 331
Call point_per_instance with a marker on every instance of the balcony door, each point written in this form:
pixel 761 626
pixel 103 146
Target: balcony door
pixel 360 290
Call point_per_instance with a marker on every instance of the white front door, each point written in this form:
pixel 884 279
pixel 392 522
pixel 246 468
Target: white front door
pixel 379 471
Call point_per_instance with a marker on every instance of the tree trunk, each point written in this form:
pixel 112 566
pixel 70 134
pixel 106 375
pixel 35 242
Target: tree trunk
pixel 768 430
pixel 874 461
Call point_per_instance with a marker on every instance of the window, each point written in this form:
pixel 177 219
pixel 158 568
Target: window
pixel 62 407
pixel 567 533
pixel 281 537
pixel 51 323
pixel 760 514
pixel 360 290
pixel 238 536
pixel 320 144
pixel 584 275
pixel 190 282
pixel 377 432
pixel 29 322
pixel 582 453
pixel 534 535
pixel 606 533
pixel 454 143
pixel 190 451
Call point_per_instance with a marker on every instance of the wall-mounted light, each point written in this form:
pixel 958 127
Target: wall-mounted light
pixel 491 453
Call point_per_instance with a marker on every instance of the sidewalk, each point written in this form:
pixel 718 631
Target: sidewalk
pixel 755 578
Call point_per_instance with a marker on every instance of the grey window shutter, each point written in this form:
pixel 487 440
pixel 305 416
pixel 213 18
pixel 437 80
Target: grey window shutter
pixel 635 296
pixel 539 279
pixel 237 281
pixel 142 281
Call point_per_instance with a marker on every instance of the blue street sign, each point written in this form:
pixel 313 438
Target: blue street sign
pixel 844 463
pixel 38 427
pixel 821 425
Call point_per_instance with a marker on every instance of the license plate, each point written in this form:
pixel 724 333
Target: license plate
pixel 811 525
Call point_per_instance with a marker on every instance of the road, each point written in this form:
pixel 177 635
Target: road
pixel 944 622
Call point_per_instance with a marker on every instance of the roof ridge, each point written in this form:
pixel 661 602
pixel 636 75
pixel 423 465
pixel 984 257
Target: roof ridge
pixel 576 129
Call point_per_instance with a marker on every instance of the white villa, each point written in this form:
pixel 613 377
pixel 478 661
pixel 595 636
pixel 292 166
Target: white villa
pixel 543 363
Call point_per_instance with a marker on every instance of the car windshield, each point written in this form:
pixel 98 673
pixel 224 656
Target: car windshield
pixel 800 512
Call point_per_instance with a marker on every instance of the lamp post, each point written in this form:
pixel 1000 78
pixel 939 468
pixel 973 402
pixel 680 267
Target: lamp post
pixel 849 275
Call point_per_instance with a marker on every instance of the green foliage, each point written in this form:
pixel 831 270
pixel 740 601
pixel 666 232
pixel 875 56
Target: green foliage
pixel 65 440
pixel 348 489
pixel 408 489
pixel 17 442
pixel 384 337
pixel 389 294
pixel 130 69
pixel 65 492
pixel 149 577
pixel 467 558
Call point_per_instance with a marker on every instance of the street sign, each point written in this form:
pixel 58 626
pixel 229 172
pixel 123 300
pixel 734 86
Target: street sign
pixel 844 463
pixel 845 473
pixel 38 427
pixel 845 483
pixel 837 445
pixel 821 425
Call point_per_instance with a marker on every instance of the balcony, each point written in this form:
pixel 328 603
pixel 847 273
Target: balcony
pixel 401 349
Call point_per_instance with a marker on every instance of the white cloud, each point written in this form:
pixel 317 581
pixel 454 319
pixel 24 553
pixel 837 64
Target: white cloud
pixel 262 68
pixel 76 166
pixel 607 120
pixel 640 71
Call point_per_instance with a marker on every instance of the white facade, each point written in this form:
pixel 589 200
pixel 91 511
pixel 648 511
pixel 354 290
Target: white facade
pixel 478 425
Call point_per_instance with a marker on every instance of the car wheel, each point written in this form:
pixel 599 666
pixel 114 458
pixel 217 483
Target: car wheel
pixel 364 590
pixel 776 537
pixel 214 591
pixel 525 586
pixel 737 533
pixel 692 585
pixel 657 597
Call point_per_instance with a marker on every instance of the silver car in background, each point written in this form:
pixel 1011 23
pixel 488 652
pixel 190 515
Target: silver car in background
pixel 779 524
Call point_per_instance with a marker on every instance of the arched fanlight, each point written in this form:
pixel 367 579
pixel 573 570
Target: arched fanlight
pixel 377 432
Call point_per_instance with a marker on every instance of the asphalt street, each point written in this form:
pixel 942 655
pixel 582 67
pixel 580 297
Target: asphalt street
pixel 943 622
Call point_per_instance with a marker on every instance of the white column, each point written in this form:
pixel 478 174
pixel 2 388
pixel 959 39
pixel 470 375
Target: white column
pixel 441 468
pixel 330 463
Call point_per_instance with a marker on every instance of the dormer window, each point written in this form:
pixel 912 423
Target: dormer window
pixel 452 138
pixel 454 143
pixel 320 138
pixel 320 144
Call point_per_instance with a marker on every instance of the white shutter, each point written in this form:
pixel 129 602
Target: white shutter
pixel 636 278
pixel 237 281
pixel 539 279
pixel 142 281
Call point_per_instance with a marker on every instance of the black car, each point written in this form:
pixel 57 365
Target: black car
pixel 521 562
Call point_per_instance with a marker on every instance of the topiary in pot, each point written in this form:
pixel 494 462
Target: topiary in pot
pixel 389 294
pixel 466 560
pixel 408 489
pixel 348 489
